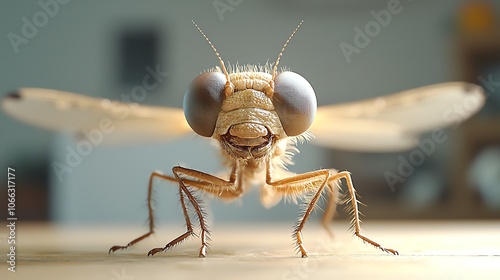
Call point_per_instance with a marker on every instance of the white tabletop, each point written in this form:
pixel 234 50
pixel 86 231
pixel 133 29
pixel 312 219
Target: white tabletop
pixel 428 250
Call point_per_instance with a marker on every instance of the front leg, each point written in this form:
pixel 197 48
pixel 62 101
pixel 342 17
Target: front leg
pixel 299 185
pixel 315 182
pixel 189 179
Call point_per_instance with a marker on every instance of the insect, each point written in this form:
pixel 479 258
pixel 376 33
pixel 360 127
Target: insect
pixel 256 115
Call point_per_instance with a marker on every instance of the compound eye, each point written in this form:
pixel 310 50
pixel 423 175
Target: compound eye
pixel 203 101
pixel 295 102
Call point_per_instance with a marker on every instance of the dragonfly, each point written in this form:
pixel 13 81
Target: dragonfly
pixel 256 115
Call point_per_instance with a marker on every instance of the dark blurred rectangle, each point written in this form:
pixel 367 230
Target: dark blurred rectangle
pixel 139 48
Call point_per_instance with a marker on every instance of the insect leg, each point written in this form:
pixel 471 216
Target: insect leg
pixel 296 185
pixel 315 182
pixel 150 211
pixel 333 200
pixel 355 212
pixel 189 179
pixel 189 225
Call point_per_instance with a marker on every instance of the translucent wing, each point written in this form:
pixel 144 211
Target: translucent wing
pixel 119 122
pixel 394 122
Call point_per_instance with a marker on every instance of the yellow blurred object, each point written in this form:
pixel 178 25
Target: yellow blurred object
pixel 477 16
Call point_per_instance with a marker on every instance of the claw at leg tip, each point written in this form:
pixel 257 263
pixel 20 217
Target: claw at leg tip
pixel 152 252
pixel 115 248
pixel 202 253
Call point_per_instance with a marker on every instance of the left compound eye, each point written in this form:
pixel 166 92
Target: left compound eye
pixel 295 102
pixel 203 101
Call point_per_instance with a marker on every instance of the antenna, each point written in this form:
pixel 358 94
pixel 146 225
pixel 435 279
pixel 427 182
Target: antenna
pixel 215 50
pixel 283 49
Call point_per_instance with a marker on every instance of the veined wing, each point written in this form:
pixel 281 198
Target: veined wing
pixel 120 122
pixel 394 122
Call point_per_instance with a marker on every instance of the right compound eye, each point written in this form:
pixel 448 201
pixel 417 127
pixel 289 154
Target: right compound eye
pixel 203 102
pixel 295 102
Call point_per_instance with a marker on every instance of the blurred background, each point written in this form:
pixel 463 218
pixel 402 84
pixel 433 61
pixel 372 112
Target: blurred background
pixel 348 50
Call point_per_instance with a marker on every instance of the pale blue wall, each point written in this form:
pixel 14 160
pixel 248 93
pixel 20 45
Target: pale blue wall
pixel 75 52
